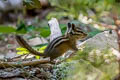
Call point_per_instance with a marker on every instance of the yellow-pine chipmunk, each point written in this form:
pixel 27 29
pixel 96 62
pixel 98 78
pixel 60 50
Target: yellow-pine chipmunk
pixel 59 45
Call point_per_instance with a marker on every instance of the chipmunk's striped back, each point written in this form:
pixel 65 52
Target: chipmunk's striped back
pixel 55 43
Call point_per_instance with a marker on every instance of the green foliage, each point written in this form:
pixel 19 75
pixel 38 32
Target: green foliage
pixel 59 14
pixel 83 70
pixel 93 33
pixel 23 28
pixel 63 28
pixel 95 56
pixel 74 7
pixel 60 72
pixel 44 31
pixel 30 4
pixel 22 51
pixel 88 64
pixel 6 29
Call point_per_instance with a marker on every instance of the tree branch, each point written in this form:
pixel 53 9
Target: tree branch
pixel 23 63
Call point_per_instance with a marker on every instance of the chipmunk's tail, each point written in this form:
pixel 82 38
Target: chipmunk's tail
pixel 24 44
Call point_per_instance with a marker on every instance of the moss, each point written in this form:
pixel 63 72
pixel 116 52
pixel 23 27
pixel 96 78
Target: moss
pixel 88 64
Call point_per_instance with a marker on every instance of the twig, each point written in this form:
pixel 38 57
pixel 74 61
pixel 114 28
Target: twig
pixel 24 63
pixel 14 58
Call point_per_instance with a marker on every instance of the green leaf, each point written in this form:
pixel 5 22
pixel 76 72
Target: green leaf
pixel 22 51
pixel 6 29
pixel 41 45
pixel 45 32
pixel 30 28
pixel 30 4
pixel 63 28
pixel 21 27
pixel 91 34
pixel 22 31
pixel 37 57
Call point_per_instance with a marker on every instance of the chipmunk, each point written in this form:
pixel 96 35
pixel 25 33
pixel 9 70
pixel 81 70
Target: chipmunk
pixel 59 45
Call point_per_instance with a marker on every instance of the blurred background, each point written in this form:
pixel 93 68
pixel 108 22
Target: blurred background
pixel 30 19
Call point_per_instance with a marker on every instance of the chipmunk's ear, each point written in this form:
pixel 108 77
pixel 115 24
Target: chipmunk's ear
pixel 69 25
pixel 73 26
pixel 69 28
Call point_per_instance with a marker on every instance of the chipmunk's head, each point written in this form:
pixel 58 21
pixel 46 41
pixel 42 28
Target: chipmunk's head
pixel 76 32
